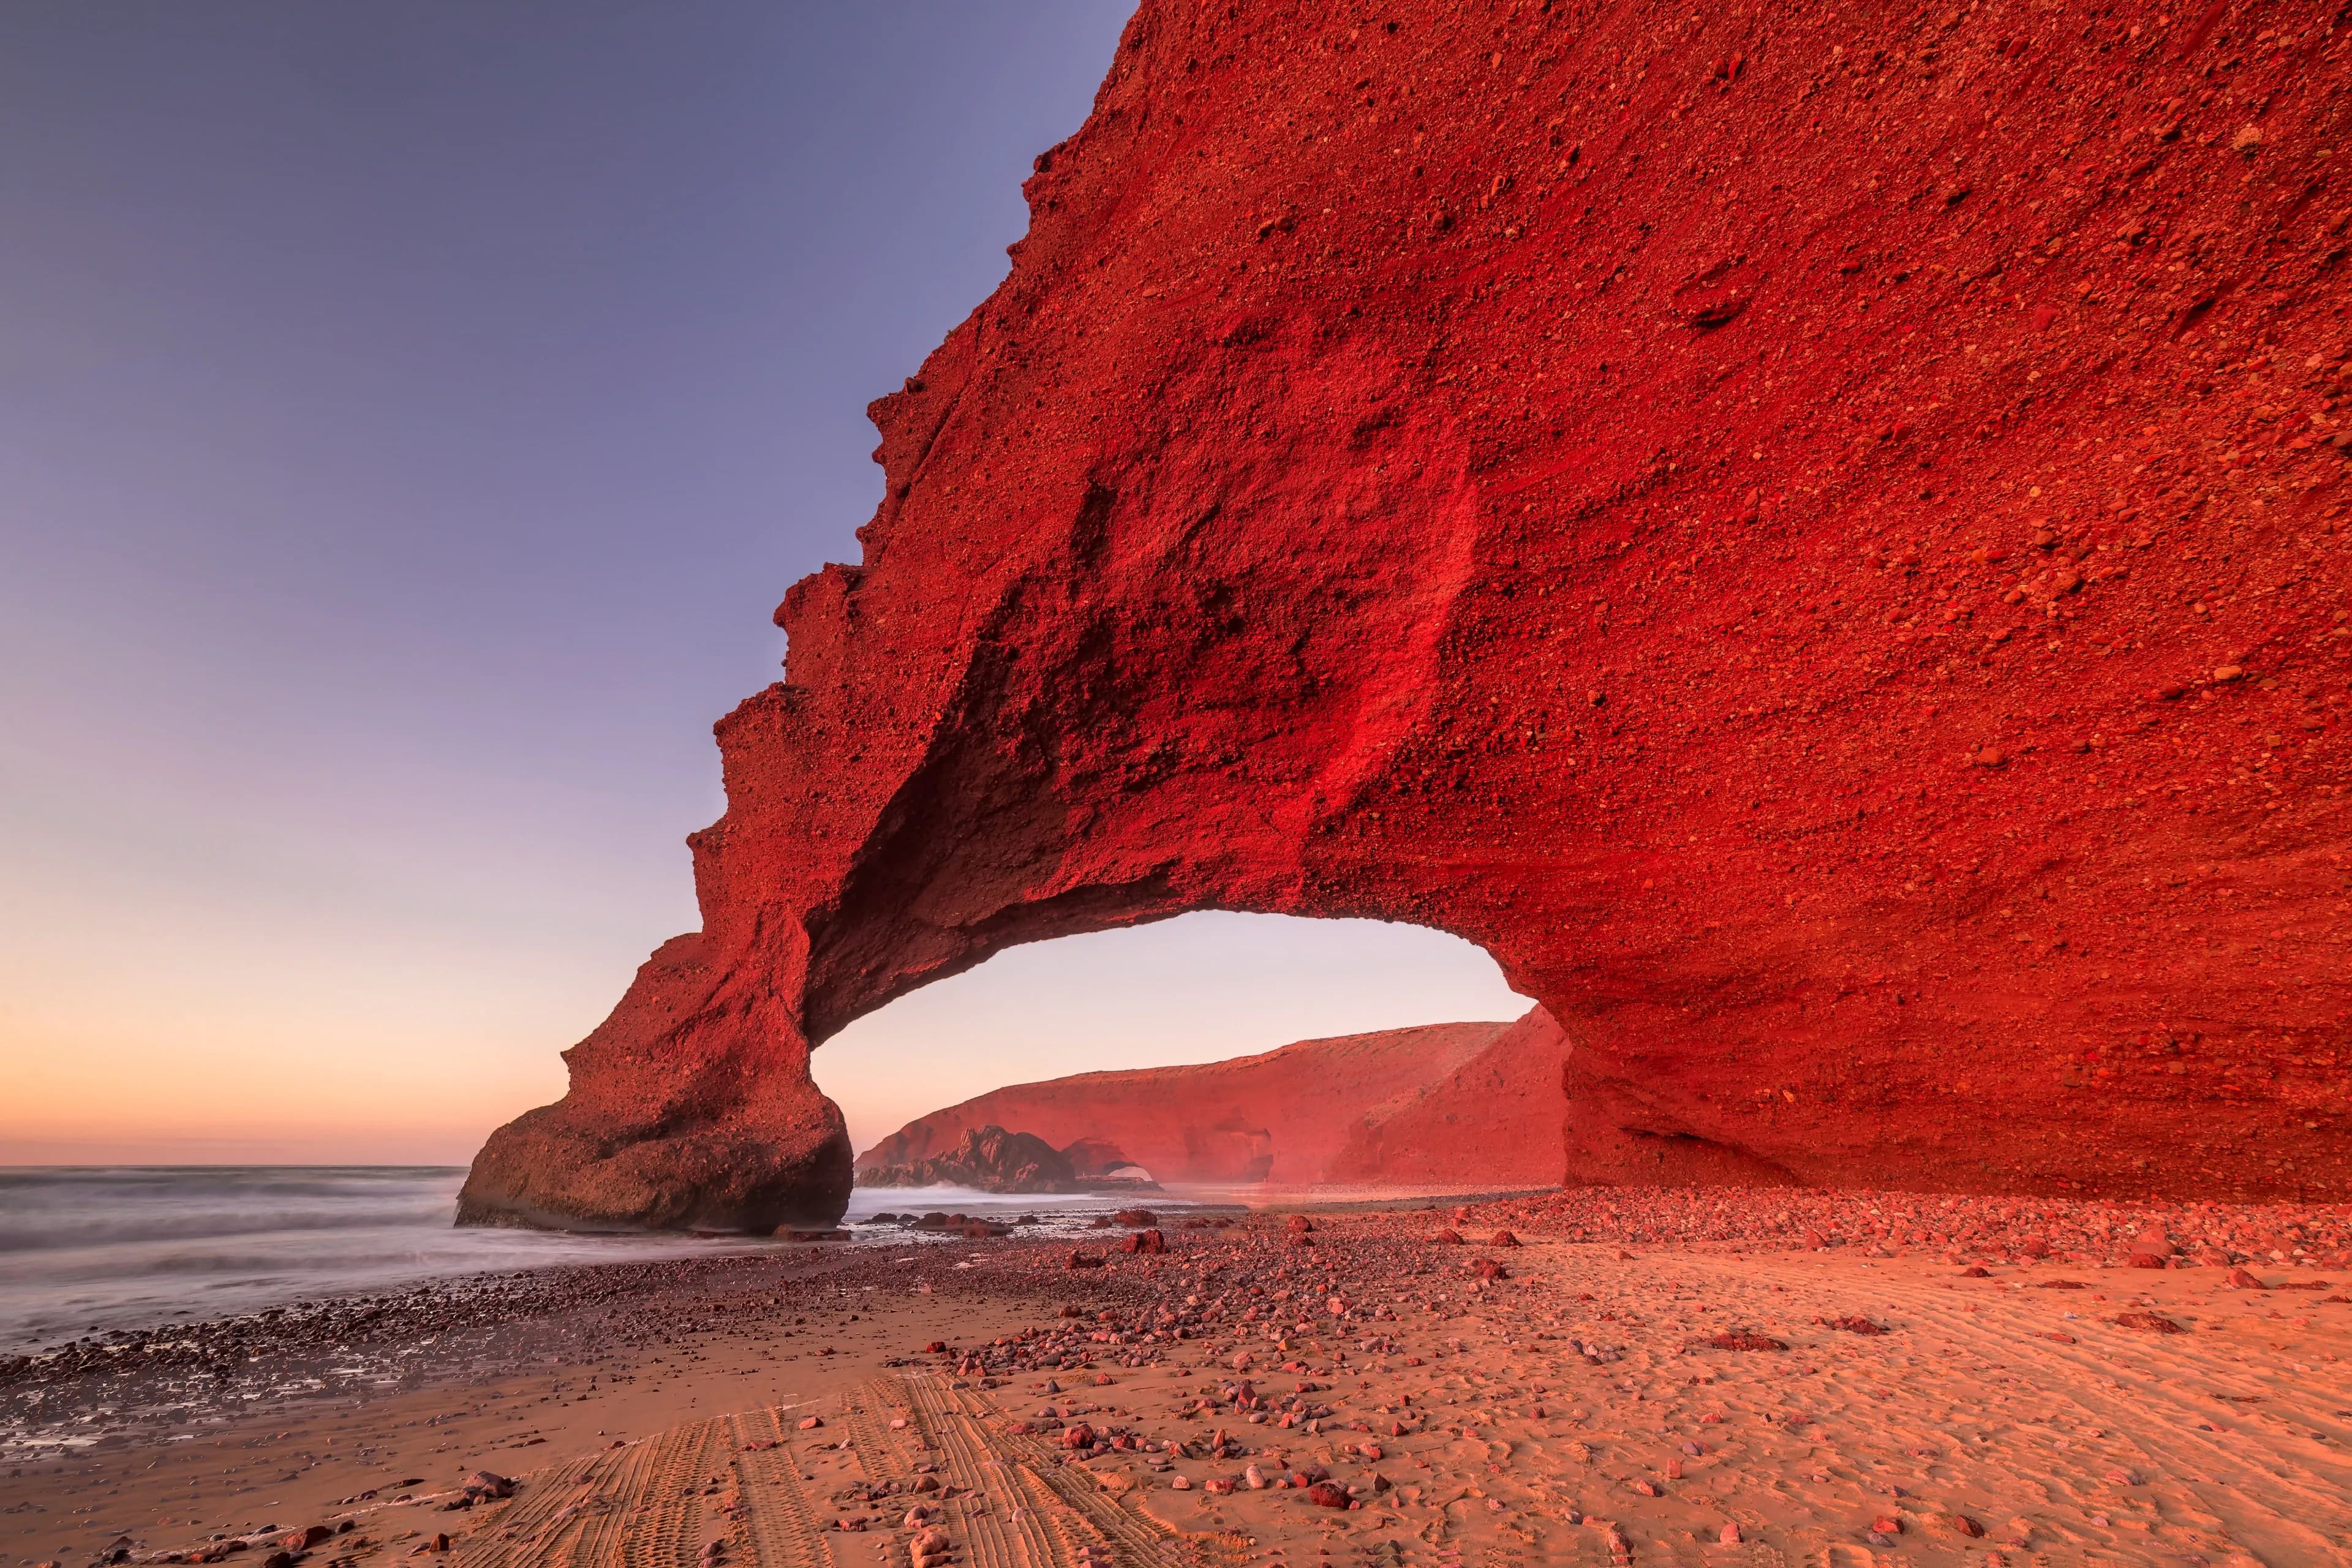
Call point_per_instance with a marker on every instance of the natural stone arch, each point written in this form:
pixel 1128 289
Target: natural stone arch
pixel 1602 514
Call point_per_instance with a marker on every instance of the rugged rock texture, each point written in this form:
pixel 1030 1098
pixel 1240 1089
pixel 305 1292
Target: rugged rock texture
pixel 1811 533
pixel 1493 1121
pixel 987 1159
pixel 690 1108
pixel 1282 1116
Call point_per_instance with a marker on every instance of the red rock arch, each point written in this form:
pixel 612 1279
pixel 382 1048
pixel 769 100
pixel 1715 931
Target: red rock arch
pixel 1703 506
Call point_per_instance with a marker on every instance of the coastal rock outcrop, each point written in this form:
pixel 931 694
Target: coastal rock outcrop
pixel 988 1159
pixel 1814 534
pixel 1281 1116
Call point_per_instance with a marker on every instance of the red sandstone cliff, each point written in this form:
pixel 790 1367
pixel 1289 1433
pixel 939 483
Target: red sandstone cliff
pixel 1494 1119
pixel 1812 534
pixel 1282 1116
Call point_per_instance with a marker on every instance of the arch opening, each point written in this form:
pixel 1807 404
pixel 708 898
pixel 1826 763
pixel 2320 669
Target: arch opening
pixel 1213 1051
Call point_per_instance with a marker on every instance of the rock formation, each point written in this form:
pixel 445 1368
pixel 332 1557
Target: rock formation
pixel 1282 1116
pixel 1092 1158
pixel 1493 1121
pixel 1811 533
pixel 987 1159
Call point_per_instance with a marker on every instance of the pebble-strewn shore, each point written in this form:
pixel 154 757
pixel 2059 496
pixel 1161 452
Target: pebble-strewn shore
pixel 1651 1366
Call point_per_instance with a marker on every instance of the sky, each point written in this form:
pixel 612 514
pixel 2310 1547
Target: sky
pixel 410 415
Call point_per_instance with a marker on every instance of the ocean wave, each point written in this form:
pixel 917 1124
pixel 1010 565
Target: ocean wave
pixel 95 1248
pixel 42 1211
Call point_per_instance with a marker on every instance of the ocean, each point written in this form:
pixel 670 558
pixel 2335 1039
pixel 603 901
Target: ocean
pixel 87 1249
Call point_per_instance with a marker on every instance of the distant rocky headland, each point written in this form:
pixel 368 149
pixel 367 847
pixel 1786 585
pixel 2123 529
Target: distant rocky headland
pixel 988 1159
pixel 1447 1103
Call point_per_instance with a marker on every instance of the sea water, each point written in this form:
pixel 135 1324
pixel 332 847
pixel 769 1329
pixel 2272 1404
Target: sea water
pixel 91 1249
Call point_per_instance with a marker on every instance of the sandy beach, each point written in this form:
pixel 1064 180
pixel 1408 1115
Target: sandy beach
pixel 1621 1376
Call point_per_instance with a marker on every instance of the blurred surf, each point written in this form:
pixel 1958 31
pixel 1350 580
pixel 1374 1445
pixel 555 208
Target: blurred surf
pixel 87 1249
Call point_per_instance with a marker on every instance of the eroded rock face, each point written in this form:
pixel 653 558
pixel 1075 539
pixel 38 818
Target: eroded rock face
pixel 1492 1120
pixel 690 1107
pixel 1812 535
pixel 1282 1116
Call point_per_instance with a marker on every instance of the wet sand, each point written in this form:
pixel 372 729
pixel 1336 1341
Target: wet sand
pixel 1648 1377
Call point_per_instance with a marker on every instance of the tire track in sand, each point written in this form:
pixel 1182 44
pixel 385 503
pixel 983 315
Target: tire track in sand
pixel 780 1523
pixel 528 1529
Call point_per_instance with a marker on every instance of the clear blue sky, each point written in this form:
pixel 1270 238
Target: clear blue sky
pixel 409 416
